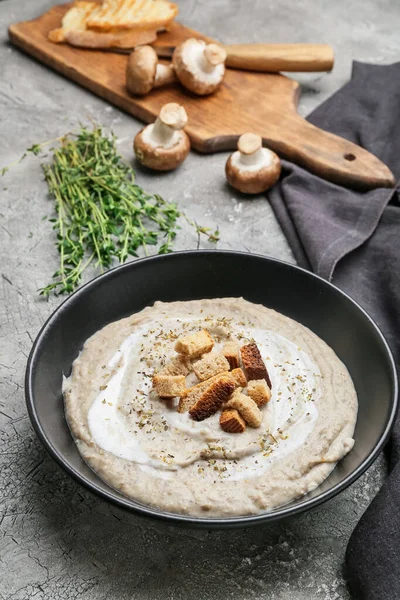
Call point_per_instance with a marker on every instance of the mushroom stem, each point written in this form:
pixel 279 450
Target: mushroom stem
pixel 164 74
pixel 250 149
pixel 251 159
pixel 212 56
pixel 165 130
pixel 162 134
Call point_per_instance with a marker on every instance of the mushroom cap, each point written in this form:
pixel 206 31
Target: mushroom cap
pixel 141 70
pixel 251 181
pixel 159 158
pixel 188 70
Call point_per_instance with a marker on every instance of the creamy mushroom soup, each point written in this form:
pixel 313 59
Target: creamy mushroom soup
pixel 210 407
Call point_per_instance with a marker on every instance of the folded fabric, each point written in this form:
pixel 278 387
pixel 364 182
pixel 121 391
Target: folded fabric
pixel 352 238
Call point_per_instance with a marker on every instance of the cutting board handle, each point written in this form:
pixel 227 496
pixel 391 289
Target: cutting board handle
pixel 330 156
pixel 280 57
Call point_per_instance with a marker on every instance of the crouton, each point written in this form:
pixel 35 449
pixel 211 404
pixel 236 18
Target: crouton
pixel 177 366
pixel 231 353
pixel 191 396
pixel 247 408
pixel 231 421
pixel 210 365
pixel 212 399
pixel 194 344
pixel 259 391
pixel 169 386
pixel 253 363
pixel 194 393
pixel 239 377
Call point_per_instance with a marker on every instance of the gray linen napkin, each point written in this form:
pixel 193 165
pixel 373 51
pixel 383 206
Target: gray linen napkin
pixel 353 239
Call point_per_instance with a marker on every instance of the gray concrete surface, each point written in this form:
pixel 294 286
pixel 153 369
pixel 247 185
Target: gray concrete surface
pixel 58 541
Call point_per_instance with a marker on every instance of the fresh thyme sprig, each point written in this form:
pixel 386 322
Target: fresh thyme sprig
pixel 102 214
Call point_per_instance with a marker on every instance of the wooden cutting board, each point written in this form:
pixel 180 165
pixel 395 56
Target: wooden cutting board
pixel 256 102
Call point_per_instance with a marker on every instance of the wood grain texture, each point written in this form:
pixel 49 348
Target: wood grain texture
pixel 247 101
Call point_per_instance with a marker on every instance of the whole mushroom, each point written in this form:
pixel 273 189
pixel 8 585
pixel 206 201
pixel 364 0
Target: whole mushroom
pixel 200 67
pixel 144 72
pixel 164 145
pixel 252 169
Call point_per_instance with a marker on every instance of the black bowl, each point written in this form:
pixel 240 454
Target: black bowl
pixel 312 301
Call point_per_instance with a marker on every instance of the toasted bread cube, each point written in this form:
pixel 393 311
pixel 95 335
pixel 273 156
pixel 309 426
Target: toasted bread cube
pixel 253 363
pixel 212 399
pixel 177 366
pixel 231 421
pixel 231 353
pixel 169 386
pixel 247 408
pixel 259 391
pixel 210 365
pixel 195 344
pixel 191 396
pixel 194 393
pixel 239 377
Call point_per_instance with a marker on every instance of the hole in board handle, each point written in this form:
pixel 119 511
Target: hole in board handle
pixel 350 156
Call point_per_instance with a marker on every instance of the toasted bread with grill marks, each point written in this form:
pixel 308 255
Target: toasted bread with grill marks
pixel 212 399
pixel 74 20
pixel 145 14
pixel 253 363
pixel 126 23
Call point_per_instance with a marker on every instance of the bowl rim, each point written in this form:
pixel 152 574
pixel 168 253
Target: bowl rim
pixel 187 520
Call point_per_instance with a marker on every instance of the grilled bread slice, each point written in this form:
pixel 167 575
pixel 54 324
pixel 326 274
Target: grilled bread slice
pixel 75 19
pixel 126 39
pixel 75 25
pixel 127 14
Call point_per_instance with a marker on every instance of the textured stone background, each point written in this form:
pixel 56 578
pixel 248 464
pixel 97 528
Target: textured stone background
pixel 58 541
